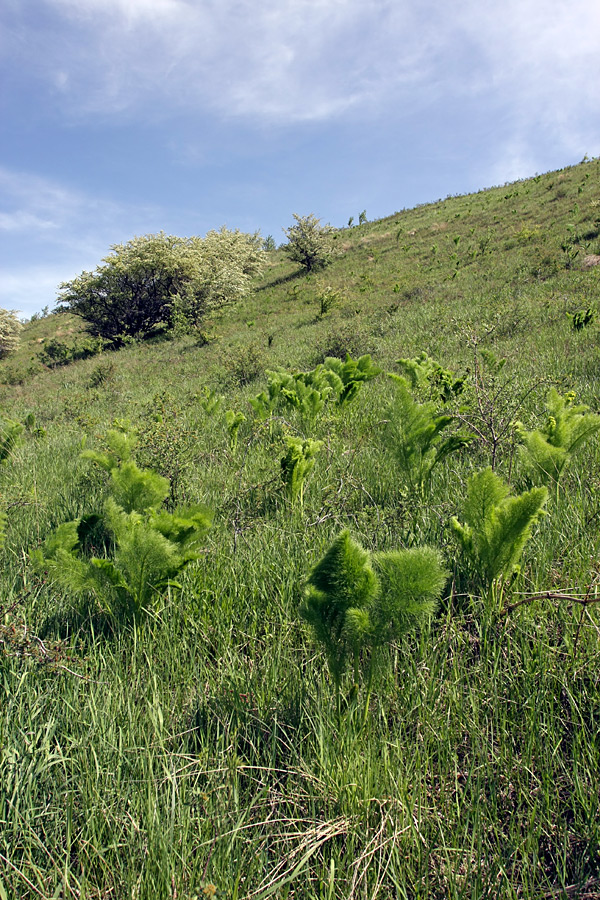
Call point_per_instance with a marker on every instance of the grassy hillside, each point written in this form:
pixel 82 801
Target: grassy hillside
pixel 198 750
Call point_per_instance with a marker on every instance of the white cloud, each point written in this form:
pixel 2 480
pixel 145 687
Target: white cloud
pixel 62 229
pixel 28 291
pixel 301 60
pixel 542 61
pixel 513 160
pixel 33 202
pixel 57 213
pixel 23 221
pixel 294 60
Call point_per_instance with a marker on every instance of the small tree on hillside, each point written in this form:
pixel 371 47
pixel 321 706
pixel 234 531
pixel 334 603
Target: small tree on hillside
pixel 309 242
pixel 10 328
pixel 157 278
pixel 224 263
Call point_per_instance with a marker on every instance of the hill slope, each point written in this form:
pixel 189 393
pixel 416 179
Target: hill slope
pixel 198 750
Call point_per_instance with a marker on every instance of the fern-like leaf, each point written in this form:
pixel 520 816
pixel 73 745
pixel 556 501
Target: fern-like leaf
pixel 411 582
pixel 296 465
pixel 10 432
pixel 547 451
pixel 498 525
pixel 414 434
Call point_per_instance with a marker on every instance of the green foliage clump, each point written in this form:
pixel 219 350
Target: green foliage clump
pixel 307 392
pixel 245 364
pixel 302 394
pixel 233 420
pixel 160 280
pixel 296 464
pixel 10 329
pixel 59 353
pixel 309 242
pixel 148 547
pixel 353 373
pixel 414 435
pixel 210 401
pixel 341 589
pixel 10 432
pixel 547 451
pixel 582 318
pixel 328 297
pixel 497 526
pixel 357 603
pixel 423 371
pixel 265 403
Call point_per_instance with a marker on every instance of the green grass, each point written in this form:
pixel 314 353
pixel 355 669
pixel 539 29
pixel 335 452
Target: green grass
pixel 202 748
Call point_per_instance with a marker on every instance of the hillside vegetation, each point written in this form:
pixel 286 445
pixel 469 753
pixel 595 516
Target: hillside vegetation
pixel 235 673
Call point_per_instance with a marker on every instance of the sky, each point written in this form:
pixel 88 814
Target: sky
pixel 127 117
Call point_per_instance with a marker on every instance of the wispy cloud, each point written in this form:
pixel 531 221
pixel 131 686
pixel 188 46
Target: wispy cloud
pixel 28 290
pixel 294 60
pixel 64 230
pixel 36 203
pixel 303 60
pixel 61 214
pixel 23 221
pixel 541 60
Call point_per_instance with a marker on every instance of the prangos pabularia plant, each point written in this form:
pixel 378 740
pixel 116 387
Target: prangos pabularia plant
pixel 357 603
pixel 497 526
pixel 296 464
pixel 414 436
pixel 147 547
pixel 547 451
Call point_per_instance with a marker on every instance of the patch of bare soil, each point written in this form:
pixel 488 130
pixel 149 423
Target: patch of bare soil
pixel 374 238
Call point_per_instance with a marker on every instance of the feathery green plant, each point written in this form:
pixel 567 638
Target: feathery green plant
pixel 497 526
pixel 296 464
pixel 148 546
pixel 10 432
pixel 328 297
pixel 148 552
pixel 132 488
pixel 357 603
pixel 353 373
pixel 120 442
pixel 30 425
pixel 304 391
pixel 341 589
pixel 265 403
pixel 422 371
pixel 546 451
pixel 414 434
pixel 582 318
pixel 308 392
pixel 234 420
pixel 210 401
pixel 308 399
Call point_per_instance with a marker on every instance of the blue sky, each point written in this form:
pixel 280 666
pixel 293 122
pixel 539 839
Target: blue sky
pixel 125 117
